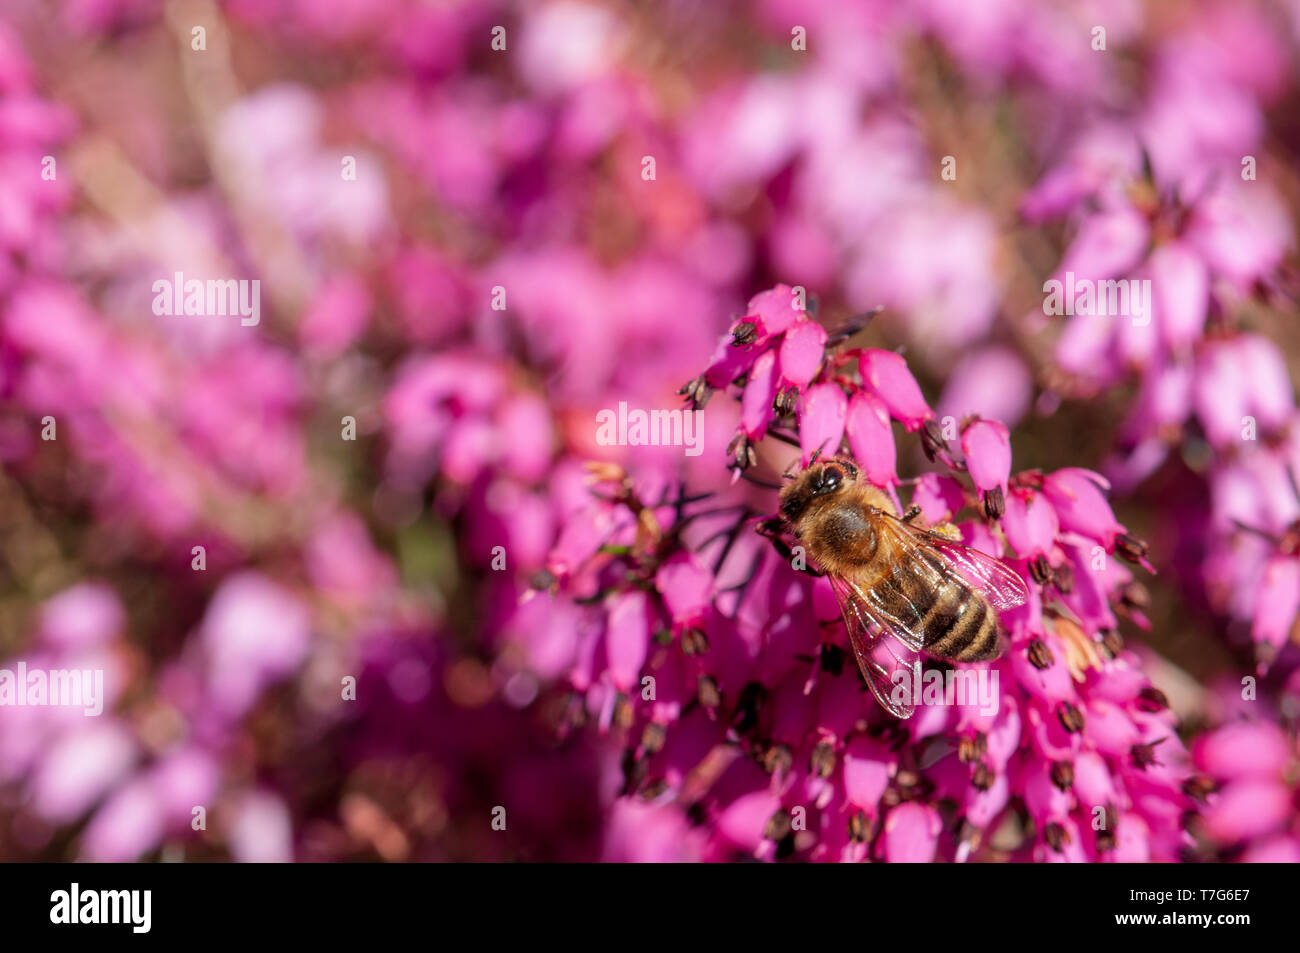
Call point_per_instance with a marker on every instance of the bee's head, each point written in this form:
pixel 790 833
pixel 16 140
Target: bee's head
pixel 818 480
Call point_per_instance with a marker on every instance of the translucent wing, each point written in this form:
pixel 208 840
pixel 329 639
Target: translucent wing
pixel 884 651
pixel 995 580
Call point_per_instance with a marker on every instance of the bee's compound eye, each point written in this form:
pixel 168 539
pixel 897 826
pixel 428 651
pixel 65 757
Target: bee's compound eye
pixel 832 477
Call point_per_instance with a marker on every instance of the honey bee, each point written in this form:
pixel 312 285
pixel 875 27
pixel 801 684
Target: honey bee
pixel 901 589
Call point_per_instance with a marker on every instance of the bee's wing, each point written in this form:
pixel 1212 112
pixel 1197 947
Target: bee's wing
pixel 995 580
pixel 885 650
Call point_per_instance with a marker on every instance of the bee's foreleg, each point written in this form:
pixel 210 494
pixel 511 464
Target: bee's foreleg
pixel 772 530
pixel 912 513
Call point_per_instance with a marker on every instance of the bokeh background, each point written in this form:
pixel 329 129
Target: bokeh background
pixel 801 143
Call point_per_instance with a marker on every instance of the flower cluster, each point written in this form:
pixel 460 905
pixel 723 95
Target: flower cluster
pixel 723 669
pixel 363 572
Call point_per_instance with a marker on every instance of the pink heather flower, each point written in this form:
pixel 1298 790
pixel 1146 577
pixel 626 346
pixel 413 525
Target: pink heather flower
pixel 646 833
pixel 802 348
pixel 129 825
pixel 886 375
pixel 821 418
pixel 871 438
pixel 337 317
pixel 987 447
pixel 774 312
pixel 1180 286
pixel 1077 498
pixel 626 638
pixel 911 833
pixel 81 766
pixel 1277 601
pixel 940 497
pixel 254 632
pixel 1107 244
pixel 261 830
pixel 86 615
pixel 1030 523
pixel 1245 749
pixel 991 382
pixel 687 588
pixel 760 391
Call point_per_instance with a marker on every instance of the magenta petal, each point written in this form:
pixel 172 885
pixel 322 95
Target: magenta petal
pixel 1244 749
pixel 871 438
pixel 1030 523
pixel 911 833
pixel 84 615
pixel 939 497
pixel 1180 287
pixel 744 820
pixel 887 375
pixel 1093 785
pixel 802 350
pixel 1247 809
pixel 776 310
pixel 1076 495
pixel 1045 801
pixel 756 404
pixel 1107 244
pixel 729 362
pixel 1278 601
pixel 866 773
pixel 686 587
pixel 626 638
pixel 987 446
pixel 821 420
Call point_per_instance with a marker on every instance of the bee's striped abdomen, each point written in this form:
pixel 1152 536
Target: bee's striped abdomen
pixel 961 625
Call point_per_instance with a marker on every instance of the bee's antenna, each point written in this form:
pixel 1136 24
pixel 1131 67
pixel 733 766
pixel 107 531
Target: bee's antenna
pixel 813 459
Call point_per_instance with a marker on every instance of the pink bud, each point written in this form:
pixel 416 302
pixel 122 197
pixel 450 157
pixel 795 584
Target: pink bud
pixel 802 350
pixel 626 638
pixel 1247 809
pixel 1043 798
pixel 987 446
pixel 1030 523
pixel 871 438
pixel 1180 287
pixel 775 310
pixel 886 373
pixel 1278 601
pixel 686 587
pixel 866 772
pixel 745 819
pixel 1244 749
pixel 756 403
pixel 911 833
pixel 821 420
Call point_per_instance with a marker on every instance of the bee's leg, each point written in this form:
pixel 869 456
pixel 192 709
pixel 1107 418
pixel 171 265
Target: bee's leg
pixel 771 529
pixel 912 513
